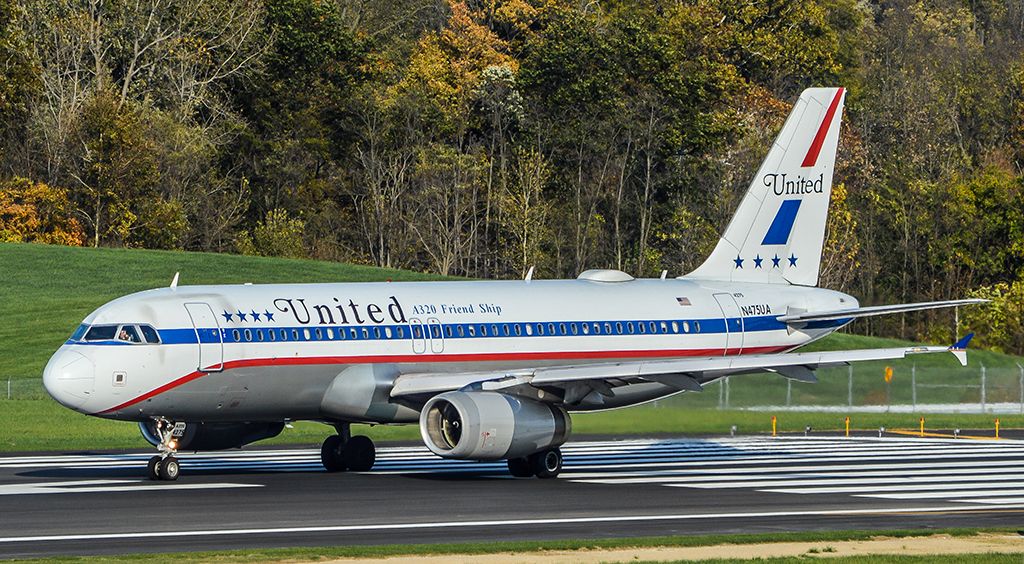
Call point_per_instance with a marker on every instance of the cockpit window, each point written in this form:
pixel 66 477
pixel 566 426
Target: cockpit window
pixel 101 333
pixel 129 334
pixel 150 334
pixel 80 332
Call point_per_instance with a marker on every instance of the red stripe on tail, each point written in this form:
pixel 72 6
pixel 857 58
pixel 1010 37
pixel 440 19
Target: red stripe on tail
pixel 819 139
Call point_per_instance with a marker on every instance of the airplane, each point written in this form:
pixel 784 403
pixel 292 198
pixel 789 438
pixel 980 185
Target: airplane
pixel 489 370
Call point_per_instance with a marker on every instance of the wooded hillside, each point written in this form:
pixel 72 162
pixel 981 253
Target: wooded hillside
pixel 480 138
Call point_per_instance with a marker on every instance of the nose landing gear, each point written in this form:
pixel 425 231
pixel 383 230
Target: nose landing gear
pixel 164 466
pixel 344 452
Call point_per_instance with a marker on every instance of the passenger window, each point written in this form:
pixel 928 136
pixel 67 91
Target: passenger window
pixel 551 329
pixel 561 329
pixel 518 329
pixel 630 327
pixel 284 335
pixel 305 334
pixel 675 327
pixel 483 330
pixel 664 327
pixel 462 331
pixel 472 330
pixel 576 329
pixel 272 334
pixel 400 331
pixel 506 328
pixel 248 335
pixel 295 334
pixel 366 333
pixel 150 334
pixel 686 327
pixel 586 329
pixel 529 329
pixel 319 334
pixel 236 336
pixel 387 332
pixel 376 332
pixel 654 327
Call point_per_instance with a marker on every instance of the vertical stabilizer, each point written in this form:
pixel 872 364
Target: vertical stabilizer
pixel 778 230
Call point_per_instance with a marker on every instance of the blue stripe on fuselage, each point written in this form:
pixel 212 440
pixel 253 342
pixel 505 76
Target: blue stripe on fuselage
pixel 618 328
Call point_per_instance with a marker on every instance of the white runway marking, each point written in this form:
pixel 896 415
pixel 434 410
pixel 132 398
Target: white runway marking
pixel 897 468
pixel 111 486
pixel 494 523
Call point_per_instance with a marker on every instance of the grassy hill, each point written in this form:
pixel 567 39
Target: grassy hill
pixel 47 290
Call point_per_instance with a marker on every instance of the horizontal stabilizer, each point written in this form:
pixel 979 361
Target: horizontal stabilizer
pixel 873 310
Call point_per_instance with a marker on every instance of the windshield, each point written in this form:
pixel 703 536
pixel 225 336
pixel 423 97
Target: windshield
pixel 101 333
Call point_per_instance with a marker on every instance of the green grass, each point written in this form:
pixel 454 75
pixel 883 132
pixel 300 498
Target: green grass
pixel 382 551
pixel 42 424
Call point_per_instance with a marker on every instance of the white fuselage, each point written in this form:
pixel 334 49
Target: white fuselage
pixel 270 352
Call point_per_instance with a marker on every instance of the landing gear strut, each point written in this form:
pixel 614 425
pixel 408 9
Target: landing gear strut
pixel 344 452
pixel 544 464
pixel 164 466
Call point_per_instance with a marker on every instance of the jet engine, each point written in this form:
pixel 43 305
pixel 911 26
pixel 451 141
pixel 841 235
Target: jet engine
pixel 216 436
pixel 491 426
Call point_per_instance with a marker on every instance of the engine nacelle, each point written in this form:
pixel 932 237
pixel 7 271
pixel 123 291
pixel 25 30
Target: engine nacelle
pixel 491 426
pixel 216 436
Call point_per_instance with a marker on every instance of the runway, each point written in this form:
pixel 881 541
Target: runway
pixel 100 504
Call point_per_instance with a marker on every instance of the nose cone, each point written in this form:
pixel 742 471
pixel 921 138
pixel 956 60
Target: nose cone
pixel 68 377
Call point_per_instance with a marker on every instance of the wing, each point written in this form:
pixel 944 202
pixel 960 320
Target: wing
pixel 682 374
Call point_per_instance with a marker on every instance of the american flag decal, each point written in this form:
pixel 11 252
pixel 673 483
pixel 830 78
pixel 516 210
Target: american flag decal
pixel 684 301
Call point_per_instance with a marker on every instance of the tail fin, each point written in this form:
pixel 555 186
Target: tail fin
pixel 778 230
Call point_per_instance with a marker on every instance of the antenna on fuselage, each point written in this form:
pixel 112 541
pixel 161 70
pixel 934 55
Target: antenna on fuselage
pixel 664 274
pixel 529 275
pixel 174 281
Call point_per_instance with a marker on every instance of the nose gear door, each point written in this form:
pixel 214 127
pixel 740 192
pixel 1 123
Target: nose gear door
pixel 208 337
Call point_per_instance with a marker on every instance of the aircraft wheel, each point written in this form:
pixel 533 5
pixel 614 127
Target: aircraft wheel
pixel 169 469
pixel 331 454
pixel 546 463
pixel 359 453
pixel 153 468
pixel 520 467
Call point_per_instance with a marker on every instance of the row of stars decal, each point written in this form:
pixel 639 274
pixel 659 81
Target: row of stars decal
pixel 776 260
pixel 230 317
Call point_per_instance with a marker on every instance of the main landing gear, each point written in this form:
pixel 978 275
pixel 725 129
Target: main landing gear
pixel 344 452
pixel 164 466
pixel 544 464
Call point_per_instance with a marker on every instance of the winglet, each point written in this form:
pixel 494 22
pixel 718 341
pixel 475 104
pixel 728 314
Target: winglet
pixel 959 348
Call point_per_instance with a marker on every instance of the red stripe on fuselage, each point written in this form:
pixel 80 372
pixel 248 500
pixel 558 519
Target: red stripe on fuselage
pixel 812 153
pixel 427 358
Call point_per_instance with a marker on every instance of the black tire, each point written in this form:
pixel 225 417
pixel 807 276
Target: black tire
pixel 153 468
pixel 546 463
pixel 520 467
pixel 331 454
pixel 169 469
pixel 359 453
